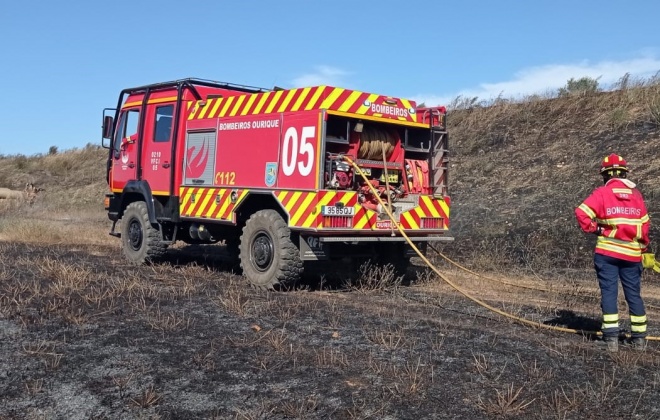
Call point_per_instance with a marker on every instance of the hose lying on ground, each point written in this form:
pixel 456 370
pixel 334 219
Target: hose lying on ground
pixel 459 289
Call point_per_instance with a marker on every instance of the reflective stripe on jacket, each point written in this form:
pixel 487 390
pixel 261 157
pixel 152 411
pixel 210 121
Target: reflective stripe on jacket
pixel 619 209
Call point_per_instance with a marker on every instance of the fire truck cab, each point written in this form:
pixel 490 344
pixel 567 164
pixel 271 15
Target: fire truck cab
pixel 277 174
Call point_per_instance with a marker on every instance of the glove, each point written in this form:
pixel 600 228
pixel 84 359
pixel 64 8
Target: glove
pixel 648 261
pixel 597 230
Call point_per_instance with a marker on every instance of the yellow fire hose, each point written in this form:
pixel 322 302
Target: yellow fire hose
pixel 387 188
pixel 456 287
pixel 467 270
pixel 521 286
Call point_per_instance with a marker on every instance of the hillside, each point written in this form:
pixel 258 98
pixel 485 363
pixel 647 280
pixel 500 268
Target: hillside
pixel 520 169
pixel 71 205
pixel 85 335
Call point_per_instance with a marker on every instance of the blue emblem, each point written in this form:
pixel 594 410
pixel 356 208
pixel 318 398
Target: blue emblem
pixel 271 173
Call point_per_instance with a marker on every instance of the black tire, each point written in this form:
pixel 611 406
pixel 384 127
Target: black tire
pixel 232 245
pixel 268 255
pixel 141 242
pixel 394 253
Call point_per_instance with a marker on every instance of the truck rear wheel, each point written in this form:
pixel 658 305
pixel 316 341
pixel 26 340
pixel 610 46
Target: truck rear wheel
pixel 268 255
pixel 141 242
pixel 394 253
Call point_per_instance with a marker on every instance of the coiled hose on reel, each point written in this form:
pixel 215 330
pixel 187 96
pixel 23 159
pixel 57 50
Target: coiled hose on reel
pixel 373 141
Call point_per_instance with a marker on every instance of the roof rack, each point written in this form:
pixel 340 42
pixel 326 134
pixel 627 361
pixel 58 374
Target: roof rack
pixel 191 83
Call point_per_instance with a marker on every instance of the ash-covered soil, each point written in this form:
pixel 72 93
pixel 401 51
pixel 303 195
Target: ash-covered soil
pixel 83 335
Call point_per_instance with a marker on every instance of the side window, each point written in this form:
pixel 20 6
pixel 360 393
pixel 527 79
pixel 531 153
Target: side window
pixel 163 123
pixel 119 132
pixel 132 121
pixel 127 127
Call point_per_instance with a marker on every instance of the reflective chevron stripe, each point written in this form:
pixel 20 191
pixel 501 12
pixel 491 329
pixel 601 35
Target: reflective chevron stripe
pixel 305 99
pixel 210 203
pixel 304 208
pixel 429 208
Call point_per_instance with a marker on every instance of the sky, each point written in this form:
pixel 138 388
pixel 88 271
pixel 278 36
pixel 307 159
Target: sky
pixel 64 61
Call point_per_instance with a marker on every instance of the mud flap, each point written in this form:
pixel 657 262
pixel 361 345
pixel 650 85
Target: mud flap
pixel 312 249
pixel 409 252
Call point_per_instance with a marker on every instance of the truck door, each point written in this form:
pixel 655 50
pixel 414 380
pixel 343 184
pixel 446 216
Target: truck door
pixel 125 149
pixel 157 148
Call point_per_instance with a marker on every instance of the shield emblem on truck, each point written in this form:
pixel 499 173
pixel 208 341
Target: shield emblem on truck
pixel 271 173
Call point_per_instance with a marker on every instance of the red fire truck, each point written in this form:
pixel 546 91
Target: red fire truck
pixel 277 174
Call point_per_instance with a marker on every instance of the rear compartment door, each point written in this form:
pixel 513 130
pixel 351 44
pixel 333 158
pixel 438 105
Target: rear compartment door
pixel 299 151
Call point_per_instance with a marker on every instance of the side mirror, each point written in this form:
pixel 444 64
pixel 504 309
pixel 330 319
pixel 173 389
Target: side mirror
pixel 107 127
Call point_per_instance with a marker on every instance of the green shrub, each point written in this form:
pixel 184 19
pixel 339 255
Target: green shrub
pixel 581 86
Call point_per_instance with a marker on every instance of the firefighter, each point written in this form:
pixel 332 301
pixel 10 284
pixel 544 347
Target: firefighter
pixel 616 213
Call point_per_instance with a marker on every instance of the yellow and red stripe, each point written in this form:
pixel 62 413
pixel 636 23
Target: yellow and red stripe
pixel 304 208
pixel 431 208
pixel 301 99
pixel 209 203
pixel 150 101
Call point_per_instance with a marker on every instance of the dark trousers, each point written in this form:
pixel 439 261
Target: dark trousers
pixel 609 270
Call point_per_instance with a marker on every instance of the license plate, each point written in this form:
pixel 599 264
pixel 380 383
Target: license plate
pixel 337 211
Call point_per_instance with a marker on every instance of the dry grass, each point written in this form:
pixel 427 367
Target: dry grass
pixel 372 277
pixel 70 210
pixel 520 168
pixel 405 351
pixel 169 321
pixel 149 397
pixel 35 227
pixel 390 339
pixel 505 403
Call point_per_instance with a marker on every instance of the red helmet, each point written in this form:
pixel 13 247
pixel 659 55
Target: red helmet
pixel 613 162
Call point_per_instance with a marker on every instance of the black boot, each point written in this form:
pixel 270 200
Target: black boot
pixel 638 343
pixel 612 343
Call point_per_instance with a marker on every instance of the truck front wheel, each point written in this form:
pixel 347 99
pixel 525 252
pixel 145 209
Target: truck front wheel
pixel 141 242
pixel 268 255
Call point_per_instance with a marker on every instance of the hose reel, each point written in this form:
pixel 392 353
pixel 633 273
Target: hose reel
pixel 373 141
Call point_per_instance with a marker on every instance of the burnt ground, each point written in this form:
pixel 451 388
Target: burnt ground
pixel 82 335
